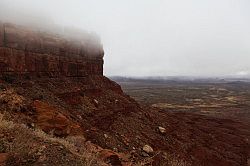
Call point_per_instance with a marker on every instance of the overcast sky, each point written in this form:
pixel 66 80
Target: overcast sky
pixel 155 37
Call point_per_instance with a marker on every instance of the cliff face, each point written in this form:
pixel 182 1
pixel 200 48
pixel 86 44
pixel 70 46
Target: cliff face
pixel 56 84
pixel 24 51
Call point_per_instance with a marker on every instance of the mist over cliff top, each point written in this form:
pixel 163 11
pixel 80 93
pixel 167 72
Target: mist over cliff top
pixel 28 18
pixel 152 38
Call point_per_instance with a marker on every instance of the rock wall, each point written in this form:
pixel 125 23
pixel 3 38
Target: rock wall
pixel 24 51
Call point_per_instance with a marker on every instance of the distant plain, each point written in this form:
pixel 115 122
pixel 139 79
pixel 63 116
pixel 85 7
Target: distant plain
pixel 228 99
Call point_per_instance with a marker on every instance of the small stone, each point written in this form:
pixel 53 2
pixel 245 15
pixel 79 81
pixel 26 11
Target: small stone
pixel 132 151
pixel 144 154
pixel 79 116
pixel 148 149
pixel 41 158
pixel 115 149
pixel 96 101
pixel 32 125
pixel 162 130
pixel 38 153
pixel 105 135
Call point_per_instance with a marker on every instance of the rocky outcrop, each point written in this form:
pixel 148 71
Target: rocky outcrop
pixel 24 51
pixel 49 119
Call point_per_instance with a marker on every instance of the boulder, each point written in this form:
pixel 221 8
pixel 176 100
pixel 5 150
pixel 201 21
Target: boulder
pixel 144 154
pixel 3 158
pixel 148 149
pixel 49 119
pixel 110 157
pixel 162 130
pixel 96 102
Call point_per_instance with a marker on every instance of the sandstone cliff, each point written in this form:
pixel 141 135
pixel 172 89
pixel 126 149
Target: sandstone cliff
pixel 24 51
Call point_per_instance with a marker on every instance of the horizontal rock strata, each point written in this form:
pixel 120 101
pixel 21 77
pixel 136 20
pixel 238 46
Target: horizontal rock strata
pixel 28 52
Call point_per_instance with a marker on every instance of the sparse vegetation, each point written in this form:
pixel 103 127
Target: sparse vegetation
pixel 169 160
pixel 30 146
pixel 11 100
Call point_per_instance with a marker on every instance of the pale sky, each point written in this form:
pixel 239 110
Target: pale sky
pixel 154 37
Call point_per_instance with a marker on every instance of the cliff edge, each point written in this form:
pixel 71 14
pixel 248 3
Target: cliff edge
pixel 31 52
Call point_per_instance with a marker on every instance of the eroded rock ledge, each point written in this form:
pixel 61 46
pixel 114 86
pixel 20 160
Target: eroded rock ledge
pixel 24 51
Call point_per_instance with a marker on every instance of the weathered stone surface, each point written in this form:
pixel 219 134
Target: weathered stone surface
pixel 11 60
pixel 3 60
pixel 25 51
pixel 50 119
pixel 148 149
pixel 30 62
pixel 1 34
pixel 15 37
pixel 162 130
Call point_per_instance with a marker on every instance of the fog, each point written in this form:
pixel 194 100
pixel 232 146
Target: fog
pixel 152 37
